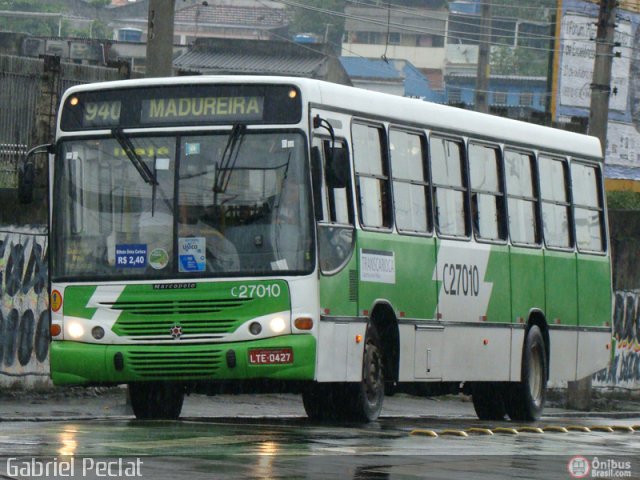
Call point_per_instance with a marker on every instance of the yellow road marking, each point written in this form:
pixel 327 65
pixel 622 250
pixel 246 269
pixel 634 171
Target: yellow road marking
pixel 424 433
pixel 455 433
pixel 530 430
pixel 555 429
pixel 510 431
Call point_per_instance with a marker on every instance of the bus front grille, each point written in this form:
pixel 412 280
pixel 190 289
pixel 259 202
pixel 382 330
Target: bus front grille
pixel 179 363
pixel 174 307
pixel 163 328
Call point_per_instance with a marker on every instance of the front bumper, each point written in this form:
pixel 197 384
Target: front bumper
pixel 75 363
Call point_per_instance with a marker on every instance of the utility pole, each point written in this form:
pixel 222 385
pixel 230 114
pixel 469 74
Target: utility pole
pixel 579 392
pixel 160 38
pixel 482 79
pixel 601 82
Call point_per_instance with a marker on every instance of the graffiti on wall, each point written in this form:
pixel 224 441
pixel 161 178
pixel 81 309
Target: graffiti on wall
pixel 624 370
pixel 24 305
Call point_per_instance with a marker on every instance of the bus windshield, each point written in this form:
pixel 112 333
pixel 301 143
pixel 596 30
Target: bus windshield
pixel 216 204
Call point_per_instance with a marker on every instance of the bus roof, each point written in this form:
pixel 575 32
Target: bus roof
pixel 404 110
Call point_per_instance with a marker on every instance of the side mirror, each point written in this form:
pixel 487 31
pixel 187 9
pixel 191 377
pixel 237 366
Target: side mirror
pixel 338 168
pixel 27 173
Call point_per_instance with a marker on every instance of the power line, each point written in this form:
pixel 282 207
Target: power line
pixel 428 30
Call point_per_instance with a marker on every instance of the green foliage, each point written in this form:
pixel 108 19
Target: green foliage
pixel 623 200
pixel 507 60
pixel 519 61
pixel 51 26
pixel 48 6
pixel 540 10
pixel 307 20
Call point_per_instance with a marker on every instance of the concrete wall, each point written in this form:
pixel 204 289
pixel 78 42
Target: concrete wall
pixel 24 307
pixel 624 371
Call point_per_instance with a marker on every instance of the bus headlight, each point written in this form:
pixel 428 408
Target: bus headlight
pixel 75 330
pixel 277 325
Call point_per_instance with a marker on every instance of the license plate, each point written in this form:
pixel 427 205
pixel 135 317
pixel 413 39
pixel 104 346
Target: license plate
pixel 270 356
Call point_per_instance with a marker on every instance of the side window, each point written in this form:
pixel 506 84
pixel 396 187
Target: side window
pixel 334 212
pixel 556 211
pixel 588 211
pixel 372 178
pixel 410 181
pixel 522 198
pixel 335 197
pixel 487 195
pixel 449 186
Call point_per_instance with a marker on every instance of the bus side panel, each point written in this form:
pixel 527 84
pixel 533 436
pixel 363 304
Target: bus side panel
pixel 339 313
pixel 338 292
pixel 499 277
pixel 527 283
pixel 563 353
pixel 476 353
pixel 561 289
pixel 398 270
pixel 561 310
pixel 594 291
pixel 474 307
pixel 527 293
pixel 594 310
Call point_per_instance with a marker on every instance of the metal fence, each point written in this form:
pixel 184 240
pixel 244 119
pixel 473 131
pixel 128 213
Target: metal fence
pixel 19 90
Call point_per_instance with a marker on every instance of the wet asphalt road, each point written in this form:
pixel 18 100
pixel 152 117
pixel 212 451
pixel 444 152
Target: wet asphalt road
pixel 293 447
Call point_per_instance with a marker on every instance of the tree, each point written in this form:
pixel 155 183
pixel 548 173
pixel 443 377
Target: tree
pixel 312 20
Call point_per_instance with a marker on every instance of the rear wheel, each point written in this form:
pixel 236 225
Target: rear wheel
pixel 488 401
pixel 156 400
pixel 524 400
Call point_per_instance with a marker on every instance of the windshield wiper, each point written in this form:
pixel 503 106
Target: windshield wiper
pixel 142 168
pixel 229 157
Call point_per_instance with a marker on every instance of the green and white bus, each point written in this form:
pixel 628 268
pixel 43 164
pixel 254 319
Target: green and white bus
pixel 254 231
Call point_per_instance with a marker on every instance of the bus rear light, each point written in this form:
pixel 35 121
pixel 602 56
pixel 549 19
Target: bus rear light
pixel 55 330
pixel 303 323
pixel 358 338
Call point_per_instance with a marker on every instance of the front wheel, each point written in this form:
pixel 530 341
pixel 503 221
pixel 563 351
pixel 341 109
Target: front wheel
pixel 366 398
pixel 524 400
pixel 156 400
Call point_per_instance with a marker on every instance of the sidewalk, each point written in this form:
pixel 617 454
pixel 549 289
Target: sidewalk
pixel 72 403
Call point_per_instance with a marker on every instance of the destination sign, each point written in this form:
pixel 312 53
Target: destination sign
pixel 170 110
pixel 181 105
pixel 101 113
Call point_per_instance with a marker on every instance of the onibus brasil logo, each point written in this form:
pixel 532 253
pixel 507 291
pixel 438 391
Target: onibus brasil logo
pixel 581 467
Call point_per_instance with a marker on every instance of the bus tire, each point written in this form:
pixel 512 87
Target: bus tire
pixel 524 400
pixel 488 401
pixel 365 398
pixel 315 400
pixel 156 400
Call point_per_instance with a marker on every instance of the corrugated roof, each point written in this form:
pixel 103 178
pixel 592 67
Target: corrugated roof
pixel 217 55
pixel 372 68
pixel 257 17
pixel 222 61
